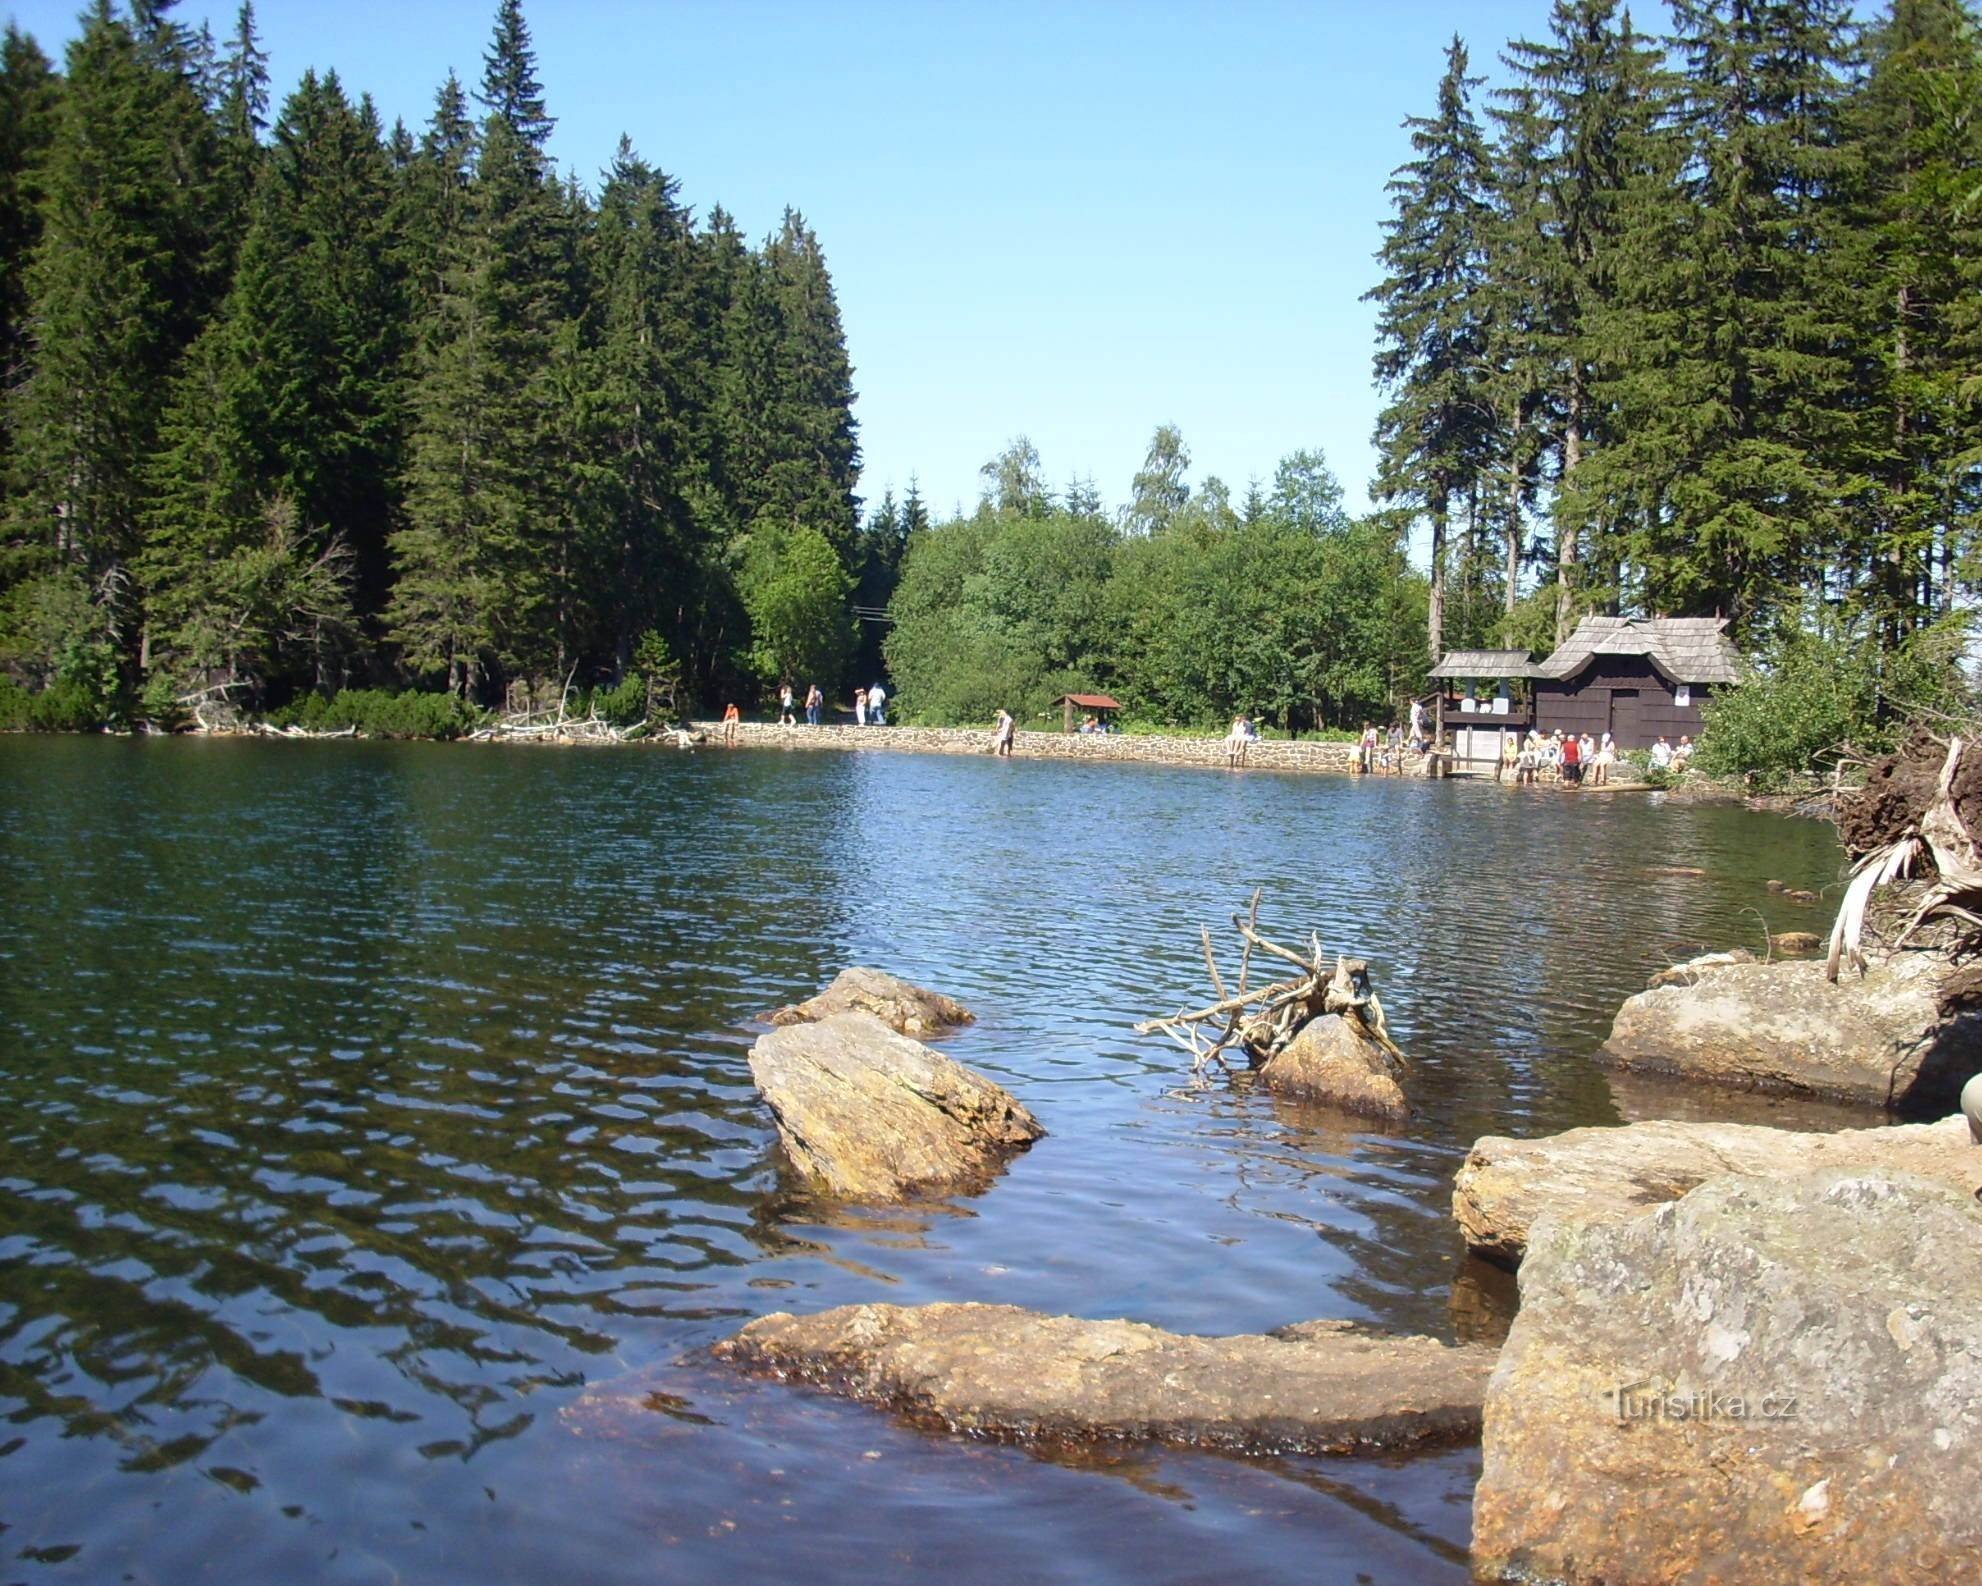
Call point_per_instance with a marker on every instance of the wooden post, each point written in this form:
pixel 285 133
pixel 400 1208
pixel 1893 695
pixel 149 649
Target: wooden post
pixel 1067 714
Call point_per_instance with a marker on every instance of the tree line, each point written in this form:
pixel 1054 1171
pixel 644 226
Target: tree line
pixel 1690 324
pixel 318 403
pixel 1189 605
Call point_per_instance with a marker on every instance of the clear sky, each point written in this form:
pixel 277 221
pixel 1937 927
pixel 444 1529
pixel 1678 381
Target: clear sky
pixel 1072 221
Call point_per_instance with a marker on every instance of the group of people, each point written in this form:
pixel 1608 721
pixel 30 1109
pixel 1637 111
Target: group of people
pixel 1667 758
pixel 1572 759
pixel 1382 750
pixel 1244 734
pixel 870 707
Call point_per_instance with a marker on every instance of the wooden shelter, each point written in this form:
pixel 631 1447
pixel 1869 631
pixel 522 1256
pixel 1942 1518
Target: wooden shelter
pixel 1473 726
pixel 1100 705
pixel 1637 678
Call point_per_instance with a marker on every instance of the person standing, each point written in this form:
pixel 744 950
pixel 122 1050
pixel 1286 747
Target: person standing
pixel 1606 758
pixel 1238 741
pixel 1417 725
pixel 1572 760
pixel 1001 734
pixel 785 716
pixel 731 717
pixel 813 700
pixel 877 705
pixel 860 707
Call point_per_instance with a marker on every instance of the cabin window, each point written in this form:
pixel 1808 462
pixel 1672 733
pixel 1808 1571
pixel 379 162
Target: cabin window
pixel 1682 696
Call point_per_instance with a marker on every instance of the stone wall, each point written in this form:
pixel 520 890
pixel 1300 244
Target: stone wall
pixel 1269 755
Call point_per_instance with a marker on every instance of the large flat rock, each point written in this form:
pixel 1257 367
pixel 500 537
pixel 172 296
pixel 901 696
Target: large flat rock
pixel 1900 1037
pixel 868 1114
pixel 1765 1381
pixel 1604 1175
pixel 904 1008
pixel 1316 1387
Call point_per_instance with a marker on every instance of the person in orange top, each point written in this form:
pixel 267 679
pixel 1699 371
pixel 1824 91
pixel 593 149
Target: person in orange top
pixel 730 719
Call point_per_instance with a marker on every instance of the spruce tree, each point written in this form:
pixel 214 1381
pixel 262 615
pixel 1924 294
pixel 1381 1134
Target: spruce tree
pixel 1435 434
pixel 1576 130
pixel 482 581
pixel 1913 129
pixel 29 95
pixel 1725 341
pixel 117 286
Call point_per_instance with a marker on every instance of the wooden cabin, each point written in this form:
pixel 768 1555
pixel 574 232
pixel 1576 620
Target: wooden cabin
pixel 1637 678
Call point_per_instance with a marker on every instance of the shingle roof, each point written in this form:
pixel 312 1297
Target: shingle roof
pixel 1484 663
pixel 1685 649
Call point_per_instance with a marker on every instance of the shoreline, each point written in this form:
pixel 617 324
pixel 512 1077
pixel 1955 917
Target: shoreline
pixel 1314 757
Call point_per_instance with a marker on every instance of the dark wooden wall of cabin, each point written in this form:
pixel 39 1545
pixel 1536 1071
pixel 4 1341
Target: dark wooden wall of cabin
pixel 1587 703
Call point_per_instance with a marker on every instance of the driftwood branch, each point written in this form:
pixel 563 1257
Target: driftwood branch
pixel 1259 1022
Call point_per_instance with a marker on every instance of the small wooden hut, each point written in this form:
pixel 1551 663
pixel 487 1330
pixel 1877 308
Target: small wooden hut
pixel 1471 723
pixel 1100 706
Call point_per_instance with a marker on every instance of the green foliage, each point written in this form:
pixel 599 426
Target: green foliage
pixel 1822 687
pixel 796 591
pixel 1293 615
pixel 380 713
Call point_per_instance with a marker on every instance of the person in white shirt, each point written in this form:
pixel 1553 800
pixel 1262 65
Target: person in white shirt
pixel 1661 755
pixel 877 705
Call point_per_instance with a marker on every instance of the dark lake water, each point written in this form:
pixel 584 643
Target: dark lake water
pixel 362 1103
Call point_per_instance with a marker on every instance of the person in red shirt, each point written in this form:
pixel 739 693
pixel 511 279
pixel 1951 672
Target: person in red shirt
pixel 1572 761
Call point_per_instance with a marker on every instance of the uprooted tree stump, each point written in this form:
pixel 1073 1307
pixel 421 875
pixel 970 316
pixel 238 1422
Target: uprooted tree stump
pixel 1347 1056
pixel 1918 817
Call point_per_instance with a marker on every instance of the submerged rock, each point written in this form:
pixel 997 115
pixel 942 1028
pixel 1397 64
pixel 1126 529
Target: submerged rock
pixel 1797 944
pixel 1689 972
pixel 1332 1062
pixel 906 1009
pixel 869 1114
pixel 1766 1380
pixel 1315 1387
pixel 1899 1037
pixel 1605 1175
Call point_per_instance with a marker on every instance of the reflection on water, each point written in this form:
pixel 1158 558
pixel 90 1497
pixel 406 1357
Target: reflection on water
pixel 361 1104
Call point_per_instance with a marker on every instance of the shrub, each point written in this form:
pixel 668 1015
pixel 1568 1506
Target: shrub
pixel 379 713
pixel 1825 686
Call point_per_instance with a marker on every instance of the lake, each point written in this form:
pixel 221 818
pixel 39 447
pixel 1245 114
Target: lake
pixel 361 1103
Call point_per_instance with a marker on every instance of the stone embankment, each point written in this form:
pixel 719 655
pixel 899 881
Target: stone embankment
pixel 998 1370
pixel 1267 755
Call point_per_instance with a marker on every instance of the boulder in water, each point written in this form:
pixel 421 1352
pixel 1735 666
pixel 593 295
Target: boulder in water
pixel 1767 1380
pixel 1904 1036
pixel 1331 1061
pixel 869 1114
pixel 907 1009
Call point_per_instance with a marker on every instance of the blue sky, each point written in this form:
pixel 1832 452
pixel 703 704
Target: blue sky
pixel 1070 221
